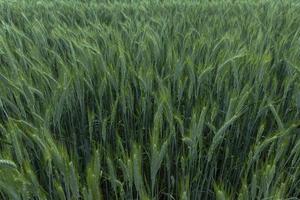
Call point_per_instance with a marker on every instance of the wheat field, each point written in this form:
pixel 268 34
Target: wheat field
pixel 149 100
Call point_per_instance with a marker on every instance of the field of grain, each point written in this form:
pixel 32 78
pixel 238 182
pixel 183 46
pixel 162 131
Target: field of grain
pixel 149 100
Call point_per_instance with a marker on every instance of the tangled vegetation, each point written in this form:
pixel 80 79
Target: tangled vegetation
pixel 149 100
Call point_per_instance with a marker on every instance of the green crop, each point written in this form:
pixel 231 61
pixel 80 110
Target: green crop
pixel 149 99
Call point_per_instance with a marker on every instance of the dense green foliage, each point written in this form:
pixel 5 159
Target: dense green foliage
pixel 149 100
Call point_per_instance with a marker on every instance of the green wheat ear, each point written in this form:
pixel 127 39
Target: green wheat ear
pixel 7 164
